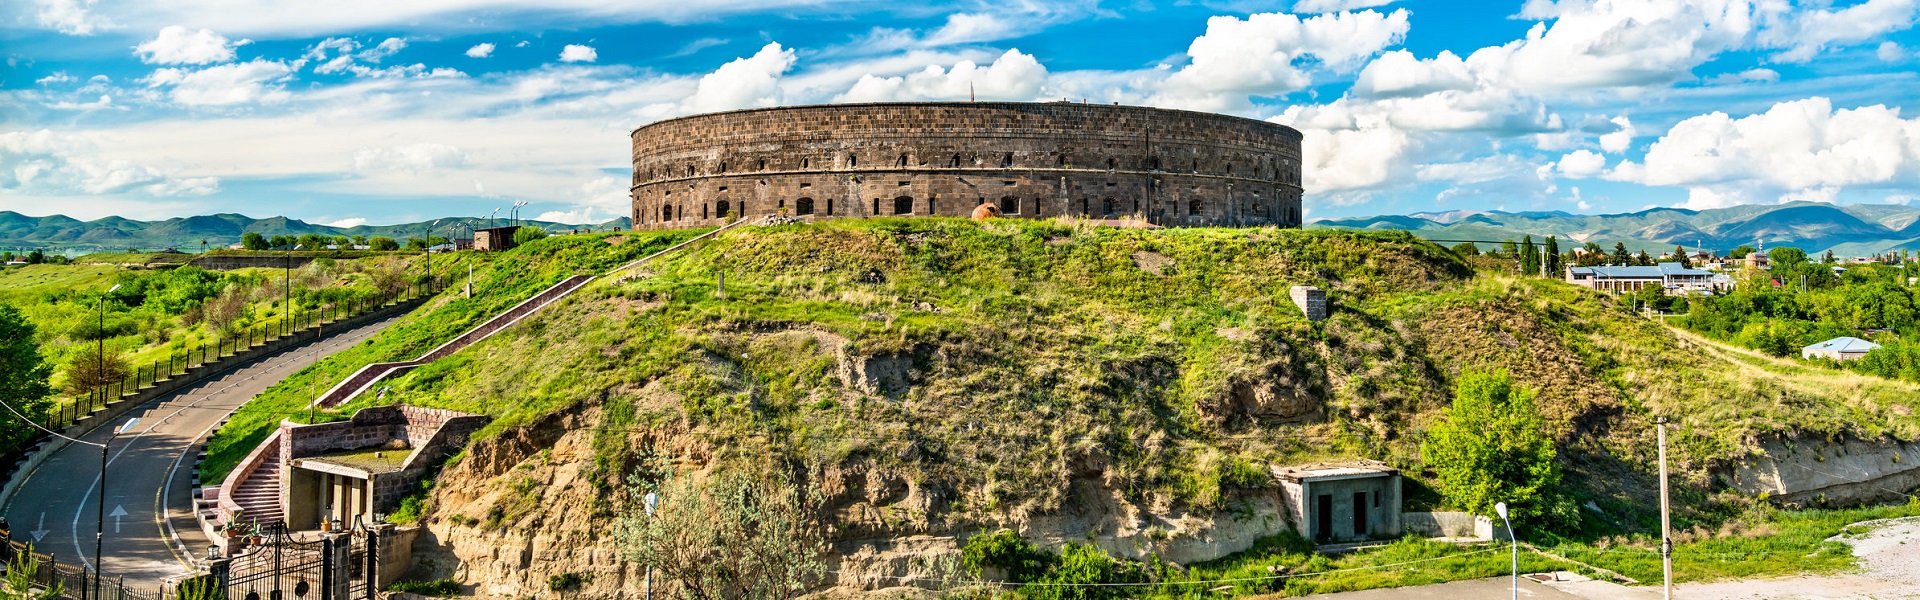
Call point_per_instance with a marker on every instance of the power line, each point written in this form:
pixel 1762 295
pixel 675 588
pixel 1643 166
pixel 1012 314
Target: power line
pixel 1188 582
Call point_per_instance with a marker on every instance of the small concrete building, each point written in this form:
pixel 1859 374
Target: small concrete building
pixel 494 239
pixel 1840 348
pixel 1342 502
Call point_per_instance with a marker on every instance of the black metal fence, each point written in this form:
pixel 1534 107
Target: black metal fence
pixel 65 414
pixel 75 582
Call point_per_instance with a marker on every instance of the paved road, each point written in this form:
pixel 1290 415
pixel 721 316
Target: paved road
pixel 1501 588
pixel 149 472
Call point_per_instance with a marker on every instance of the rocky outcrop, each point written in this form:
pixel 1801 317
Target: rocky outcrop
pixel 1829 473
pixel 524 506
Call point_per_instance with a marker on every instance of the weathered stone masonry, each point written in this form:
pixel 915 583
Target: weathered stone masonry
pixel 1173 168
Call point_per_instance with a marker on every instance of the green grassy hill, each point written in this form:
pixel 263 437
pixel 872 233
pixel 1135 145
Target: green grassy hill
pixel 996 365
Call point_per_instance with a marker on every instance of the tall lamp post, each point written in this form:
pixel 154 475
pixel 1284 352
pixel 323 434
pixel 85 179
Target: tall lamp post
pixel 1501 507
pixel 100 518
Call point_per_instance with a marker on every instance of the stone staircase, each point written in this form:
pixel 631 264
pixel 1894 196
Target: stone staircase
pixel 253 488
pixel 258 495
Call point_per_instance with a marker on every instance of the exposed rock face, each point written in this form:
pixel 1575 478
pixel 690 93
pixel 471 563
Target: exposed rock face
pixel 1830 473
pixel 521 507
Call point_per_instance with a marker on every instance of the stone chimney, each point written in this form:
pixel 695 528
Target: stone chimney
pixel 1312 301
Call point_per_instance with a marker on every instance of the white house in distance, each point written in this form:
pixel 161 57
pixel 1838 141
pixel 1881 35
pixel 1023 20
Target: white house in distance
pixel 1675 279
pixel 1840 348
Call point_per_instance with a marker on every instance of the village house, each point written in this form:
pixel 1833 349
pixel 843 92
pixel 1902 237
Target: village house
pixel 1840 348
pixel 1672 277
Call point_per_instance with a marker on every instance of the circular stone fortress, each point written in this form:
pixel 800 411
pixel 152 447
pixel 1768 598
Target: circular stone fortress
pixel 1014 159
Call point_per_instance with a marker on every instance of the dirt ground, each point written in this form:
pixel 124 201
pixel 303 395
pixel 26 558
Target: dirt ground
pixel 1889 569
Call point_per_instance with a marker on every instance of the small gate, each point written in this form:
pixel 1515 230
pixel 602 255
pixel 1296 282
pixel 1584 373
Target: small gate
pixel 281 568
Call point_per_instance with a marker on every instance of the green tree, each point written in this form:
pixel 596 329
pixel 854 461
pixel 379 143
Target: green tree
pixel 1740 252
pixel 1508 249
pixel 1786 258
pixel 1466 249
pixel 311 241
pixel 733 536
pixel 1492 446
pixel 1680 256
pixel 1552 253
pixel 92 370
pixel 252 240
pixel 527 234
pixel 20 581
pixel 1620 254
pixel 23 376
pixel 1642 259
pixel 414 243
pixel 1829 258
pixel 383 244
pixel 280 241
pixel 1529 257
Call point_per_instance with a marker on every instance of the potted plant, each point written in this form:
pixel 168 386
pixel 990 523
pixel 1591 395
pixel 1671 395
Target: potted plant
pixel 254 535
pixel 233 528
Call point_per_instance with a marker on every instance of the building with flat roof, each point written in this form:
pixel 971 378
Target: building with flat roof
pixel 1674 278
pixel 1342 502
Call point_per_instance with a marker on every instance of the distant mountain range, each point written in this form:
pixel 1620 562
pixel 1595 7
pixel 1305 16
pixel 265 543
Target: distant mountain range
pixel 1851 230
pixel 69 235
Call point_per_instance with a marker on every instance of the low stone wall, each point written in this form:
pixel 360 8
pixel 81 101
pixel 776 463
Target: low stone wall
pixel 229 263
pixel 192 375
pixel 1450 525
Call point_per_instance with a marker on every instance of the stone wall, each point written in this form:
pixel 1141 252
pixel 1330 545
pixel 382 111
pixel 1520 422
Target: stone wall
pixel 1031 160
pixel 432 434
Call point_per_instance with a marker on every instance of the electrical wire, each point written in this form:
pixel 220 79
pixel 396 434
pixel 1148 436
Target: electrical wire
pixel 1190 582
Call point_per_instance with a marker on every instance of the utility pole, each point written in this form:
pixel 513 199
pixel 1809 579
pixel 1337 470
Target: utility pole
pixel 1666 524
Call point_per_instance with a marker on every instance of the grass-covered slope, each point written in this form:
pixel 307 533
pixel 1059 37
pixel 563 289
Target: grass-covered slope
pixel 978 372
pixel 499 282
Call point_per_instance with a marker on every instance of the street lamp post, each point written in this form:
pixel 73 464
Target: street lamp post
pixel 100 518
pixel 1501 507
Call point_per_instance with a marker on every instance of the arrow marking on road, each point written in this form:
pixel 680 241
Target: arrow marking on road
pixel 118 512
pixel 41 531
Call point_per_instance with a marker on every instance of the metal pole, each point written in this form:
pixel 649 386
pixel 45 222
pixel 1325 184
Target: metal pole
pixel 1666 525
pixel 100 518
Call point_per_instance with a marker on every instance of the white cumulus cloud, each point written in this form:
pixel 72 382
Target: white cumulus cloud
pixel 1816 29
pixel 1581 164
pixel 1261 55
pixel 1012 76
pixel 176 45
pixel 1799 149
pixel 258 80
pixel 46 163
pixel 410 158
pixel 747 82
pixel 578 53
pixel 71 17
pixel 1619 140
pixel 481 50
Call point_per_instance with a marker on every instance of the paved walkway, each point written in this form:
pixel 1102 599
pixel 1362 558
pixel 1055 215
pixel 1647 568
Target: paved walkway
pixel 149 491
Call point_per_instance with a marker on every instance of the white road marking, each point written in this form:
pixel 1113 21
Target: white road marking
pixel 41 531
pixel 79 550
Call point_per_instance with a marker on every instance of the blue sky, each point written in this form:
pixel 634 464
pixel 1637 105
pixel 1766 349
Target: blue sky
pixel 368 111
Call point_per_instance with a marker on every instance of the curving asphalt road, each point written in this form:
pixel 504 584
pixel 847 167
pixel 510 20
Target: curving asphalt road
pixel 149 496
